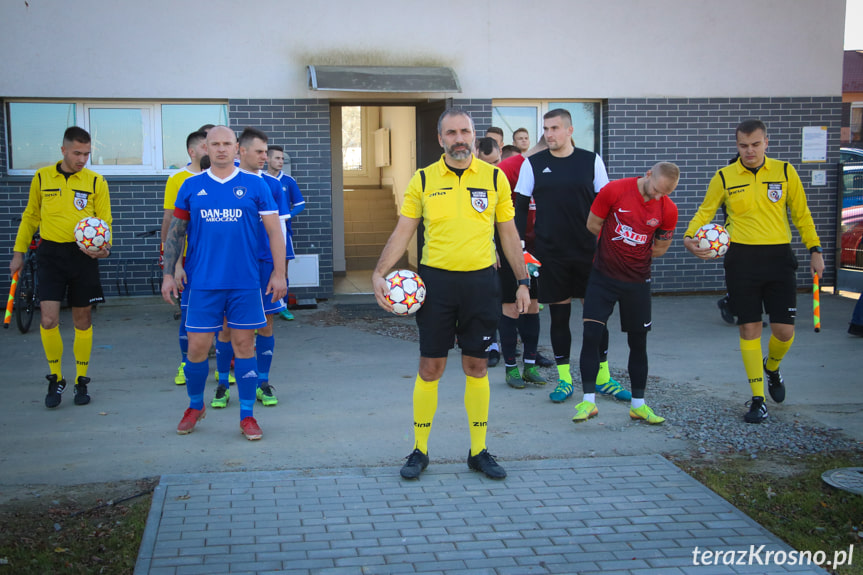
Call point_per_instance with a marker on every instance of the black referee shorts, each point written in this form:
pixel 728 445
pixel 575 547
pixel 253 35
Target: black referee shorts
pixel 63 266
pixel 762 277
pixel 463 304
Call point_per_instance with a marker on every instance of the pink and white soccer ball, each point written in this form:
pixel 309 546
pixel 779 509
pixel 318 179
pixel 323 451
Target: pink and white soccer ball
pixel 407 291
pixel 715 237
pixel 92 233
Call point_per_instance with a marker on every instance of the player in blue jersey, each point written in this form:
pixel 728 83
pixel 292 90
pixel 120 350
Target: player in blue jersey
pixel 253 155
pixel 275 163
pixel 196 147
pixel 219 212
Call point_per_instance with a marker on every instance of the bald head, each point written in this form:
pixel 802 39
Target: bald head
pixel 221 147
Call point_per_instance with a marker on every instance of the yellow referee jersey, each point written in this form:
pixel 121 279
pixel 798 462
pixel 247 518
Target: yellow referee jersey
pixel 757 204
pixel 459 213
pixel 56 204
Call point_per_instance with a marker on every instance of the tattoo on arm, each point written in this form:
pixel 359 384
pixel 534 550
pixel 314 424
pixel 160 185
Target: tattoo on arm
pixel 174 244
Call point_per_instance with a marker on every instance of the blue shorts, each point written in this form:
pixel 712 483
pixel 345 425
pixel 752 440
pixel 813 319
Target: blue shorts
pixel 266 269
pixel 208 308
pixel 184 295
pixel 289 248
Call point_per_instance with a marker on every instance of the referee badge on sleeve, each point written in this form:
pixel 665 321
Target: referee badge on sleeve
pixel 479 200
pixel 774 192
pixel 81 200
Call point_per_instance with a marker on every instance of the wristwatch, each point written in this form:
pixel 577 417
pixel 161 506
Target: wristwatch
pixel 815 249
pixel 524 282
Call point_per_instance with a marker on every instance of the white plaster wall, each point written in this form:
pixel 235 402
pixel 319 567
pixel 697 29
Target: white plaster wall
pixel 502 49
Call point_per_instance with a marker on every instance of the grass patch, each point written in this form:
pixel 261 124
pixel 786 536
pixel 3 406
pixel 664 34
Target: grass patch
pixel 62 536
pixel 788 497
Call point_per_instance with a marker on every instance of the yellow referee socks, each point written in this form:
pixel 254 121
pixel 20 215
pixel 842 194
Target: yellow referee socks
pixel 52 342
pixel 425 405
pixel 83 347
pixel 476 399
pixel 750 350
pixel 776 350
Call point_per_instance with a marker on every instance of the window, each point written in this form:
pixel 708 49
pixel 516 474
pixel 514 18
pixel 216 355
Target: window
pixel 35 133
pixel 856 121
pixel 127 138
pixel 180 120
pixel 352 139
pixel 586 120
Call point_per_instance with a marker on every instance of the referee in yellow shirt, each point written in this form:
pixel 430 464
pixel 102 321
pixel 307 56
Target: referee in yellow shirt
pixel 61 195
pixel 460 200
pixel 760 267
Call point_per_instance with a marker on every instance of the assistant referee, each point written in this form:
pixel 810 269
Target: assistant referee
pixel 760 268
pixel 460 200
pixel 61 195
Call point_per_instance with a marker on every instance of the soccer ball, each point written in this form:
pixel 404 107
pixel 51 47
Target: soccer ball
pixel 92 233
pixel 715 237
pixel 407 292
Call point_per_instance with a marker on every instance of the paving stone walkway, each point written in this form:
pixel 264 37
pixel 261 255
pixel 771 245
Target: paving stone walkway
pixel 621 515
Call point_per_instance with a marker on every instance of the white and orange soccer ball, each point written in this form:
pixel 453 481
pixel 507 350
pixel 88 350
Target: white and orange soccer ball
pixel 715 237
pixel 407 291
pixel 92 233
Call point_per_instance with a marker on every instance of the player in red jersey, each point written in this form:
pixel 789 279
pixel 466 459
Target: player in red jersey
pixel 634 219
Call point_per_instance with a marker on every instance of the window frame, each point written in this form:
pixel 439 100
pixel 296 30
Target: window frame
pixel 542 107
pixel 855 106
pixel 366 144
pixel 153 156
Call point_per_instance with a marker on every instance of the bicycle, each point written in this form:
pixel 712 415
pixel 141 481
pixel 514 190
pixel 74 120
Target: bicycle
pixel 27 294
pixel 156 271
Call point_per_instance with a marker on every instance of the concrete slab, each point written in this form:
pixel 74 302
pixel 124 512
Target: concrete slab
pixel 345 397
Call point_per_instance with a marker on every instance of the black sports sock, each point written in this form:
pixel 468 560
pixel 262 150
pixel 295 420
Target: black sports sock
pixel 561 338
pixel 589 358
pixel 603 346
pixel 508 328
pixel 637 363
pixel 528 327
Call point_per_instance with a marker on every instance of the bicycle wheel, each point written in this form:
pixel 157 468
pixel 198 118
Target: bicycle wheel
pixel 25 298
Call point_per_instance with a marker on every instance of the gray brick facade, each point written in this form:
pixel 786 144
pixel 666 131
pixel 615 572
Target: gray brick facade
pixel 480 112
pixel 697 134
pixel 301 126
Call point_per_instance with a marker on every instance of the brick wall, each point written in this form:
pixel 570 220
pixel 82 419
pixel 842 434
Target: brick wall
pixel 301 126
pixel 698 135
pixel 480 112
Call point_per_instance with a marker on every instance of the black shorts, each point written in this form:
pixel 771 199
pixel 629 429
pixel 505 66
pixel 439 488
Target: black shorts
pixel 561 279
pixel 508 283
pixel 762 278
pixel 63 266
pixel 603 292
pixel 463 304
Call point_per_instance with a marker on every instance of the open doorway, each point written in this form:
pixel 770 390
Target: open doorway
pixel 375 150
